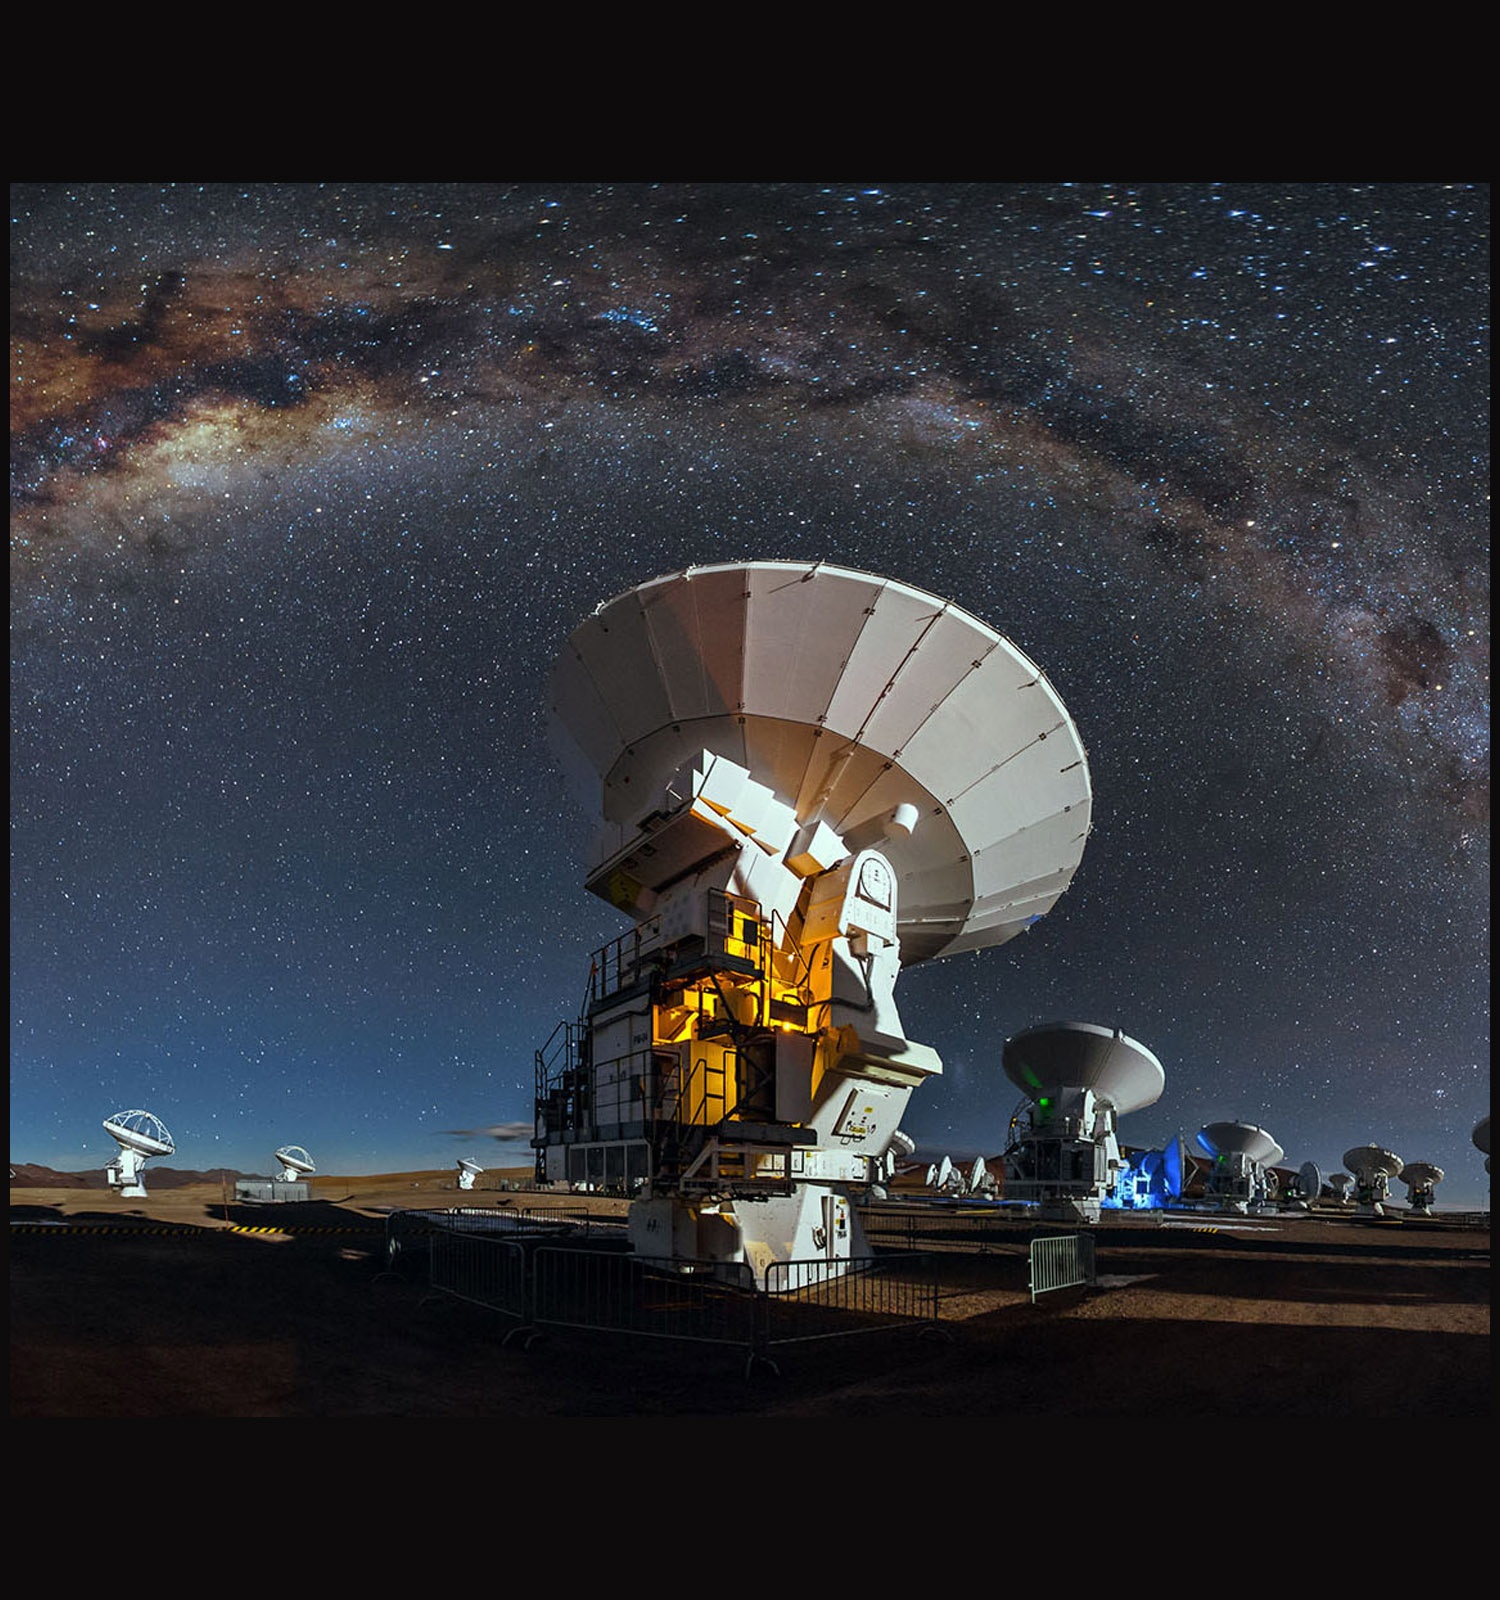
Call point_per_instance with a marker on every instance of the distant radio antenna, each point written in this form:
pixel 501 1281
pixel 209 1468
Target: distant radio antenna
pixel 289 1184
pixel 1080 1077
pixel 139 1136
pixel 295 1163
pixel 1373 1169
pixel 1421 1178
pixel 468 1170
pixel 1240 1178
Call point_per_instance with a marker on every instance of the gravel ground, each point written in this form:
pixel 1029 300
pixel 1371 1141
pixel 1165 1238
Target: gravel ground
pixel 183 1305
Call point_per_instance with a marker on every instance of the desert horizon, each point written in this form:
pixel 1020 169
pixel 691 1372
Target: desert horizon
pixel 187 1302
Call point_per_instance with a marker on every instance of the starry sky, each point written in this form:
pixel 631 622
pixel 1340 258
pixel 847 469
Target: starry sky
pixel 309 483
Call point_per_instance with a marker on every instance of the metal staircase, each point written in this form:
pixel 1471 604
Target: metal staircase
pixel 726 1151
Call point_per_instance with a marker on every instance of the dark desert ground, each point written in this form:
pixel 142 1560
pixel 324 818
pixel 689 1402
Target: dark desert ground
pixel 186 1304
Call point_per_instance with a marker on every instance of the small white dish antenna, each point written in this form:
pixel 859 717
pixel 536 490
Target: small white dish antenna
pixel 1300 1190
pixel 1421 1178
pixel 1373 1169
pixel 1243 1156
pixel 468 1170
pixel 295 1163
pixel 139 1136
pixel 1341 1183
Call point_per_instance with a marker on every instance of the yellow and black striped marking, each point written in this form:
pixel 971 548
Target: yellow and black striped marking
pixel 77 1229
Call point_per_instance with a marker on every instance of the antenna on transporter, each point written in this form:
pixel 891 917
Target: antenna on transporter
pixel 805 779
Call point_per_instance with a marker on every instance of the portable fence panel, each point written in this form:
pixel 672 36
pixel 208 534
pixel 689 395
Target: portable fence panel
pixel 624 1294
pixel 937 1228
pixel 1061 1263
pixel 487 1271
pixel 819 1299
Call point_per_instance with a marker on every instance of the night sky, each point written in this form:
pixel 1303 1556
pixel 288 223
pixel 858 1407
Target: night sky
pixel 310 483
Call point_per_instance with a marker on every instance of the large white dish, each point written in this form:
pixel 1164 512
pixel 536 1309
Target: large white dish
pixel 848 695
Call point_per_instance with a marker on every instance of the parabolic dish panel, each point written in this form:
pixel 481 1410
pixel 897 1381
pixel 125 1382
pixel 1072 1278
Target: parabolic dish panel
pixel 847 695
pixel 1481 1135
pixel 139 1130
pixel 1084 1055
pixel 1368 1160
pixel 293 1155
pixel 1421 1172
pixel 1241 1138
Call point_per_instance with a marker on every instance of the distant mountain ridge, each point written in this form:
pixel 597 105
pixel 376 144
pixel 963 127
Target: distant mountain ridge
pixel 28 1175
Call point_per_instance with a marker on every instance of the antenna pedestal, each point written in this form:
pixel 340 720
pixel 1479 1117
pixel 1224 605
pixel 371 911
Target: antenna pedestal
pixel 124 1174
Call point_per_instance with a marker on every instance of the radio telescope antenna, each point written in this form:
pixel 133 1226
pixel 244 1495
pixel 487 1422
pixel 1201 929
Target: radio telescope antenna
pixel 139 1136
pixel 289 1184
pixel 1240 1176
pixel 1373 1169
pixel 295 1163
pixel 1080 1078
pixel 1481 1138
pixel 1308 1188
pixel 805 778
pixel 1421 1178
pixel 468 1170
pixel 1341 1184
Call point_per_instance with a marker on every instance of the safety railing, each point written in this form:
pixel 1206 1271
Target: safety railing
pixel 595 1290
pixel 409 1233
pixel 980 1230
pixel 537 1285
pixel 485 1270
pixel 1061 1263
pixel 875 1294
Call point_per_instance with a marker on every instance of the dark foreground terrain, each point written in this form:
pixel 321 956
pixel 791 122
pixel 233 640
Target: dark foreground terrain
pixel 190 1307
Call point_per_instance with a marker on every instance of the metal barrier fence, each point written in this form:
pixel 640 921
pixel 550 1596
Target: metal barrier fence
pixel 622 1293
pixel 1061 1263
pixel 974 1230
pixel 410 1233
pixel 537 1283
pixel 487 1271
pixel 805 1300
